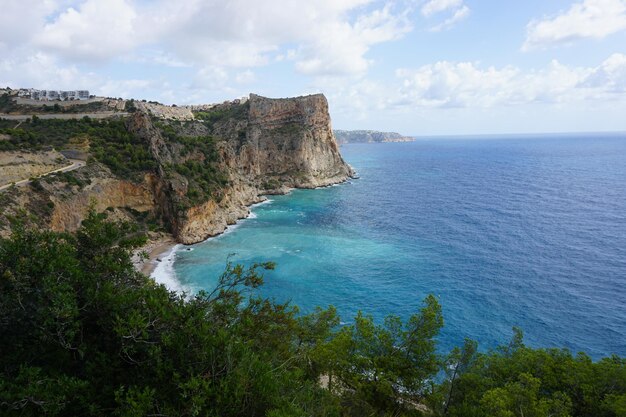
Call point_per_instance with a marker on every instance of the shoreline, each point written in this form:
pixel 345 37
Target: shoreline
pixel 155 248
pixel 162 250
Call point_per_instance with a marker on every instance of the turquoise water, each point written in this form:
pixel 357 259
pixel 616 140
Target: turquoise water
pixel 527 232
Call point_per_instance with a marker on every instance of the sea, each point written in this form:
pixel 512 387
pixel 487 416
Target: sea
pixel 526 231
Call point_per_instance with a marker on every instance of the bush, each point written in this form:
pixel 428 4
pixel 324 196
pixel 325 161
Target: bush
pixel 110 142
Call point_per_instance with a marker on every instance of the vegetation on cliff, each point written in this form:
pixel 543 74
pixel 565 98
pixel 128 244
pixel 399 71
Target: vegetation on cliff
pixel 83 334
pixel 108 141
pixel 193 165
pixel 223 113
pixel 198 161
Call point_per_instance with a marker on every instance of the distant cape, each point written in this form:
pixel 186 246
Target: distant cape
pixel 369 136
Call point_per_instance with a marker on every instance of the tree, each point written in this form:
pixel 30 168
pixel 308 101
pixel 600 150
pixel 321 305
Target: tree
pixel 386 368
pixel 458 361
pixel 83 334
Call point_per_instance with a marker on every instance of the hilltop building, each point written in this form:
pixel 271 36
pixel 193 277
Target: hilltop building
pixel 51 95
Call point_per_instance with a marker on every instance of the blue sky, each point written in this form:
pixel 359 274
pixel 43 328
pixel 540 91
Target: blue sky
pixel 420 67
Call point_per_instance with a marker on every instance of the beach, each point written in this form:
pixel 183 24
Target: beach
pixel 156 248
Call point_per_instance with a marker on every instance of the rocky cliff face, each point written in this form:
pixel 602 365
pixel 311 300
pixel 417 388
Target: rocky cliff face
pixel 103 192
pixel 208 170
pixel 293 140
pixel 60 202
pixel 265 146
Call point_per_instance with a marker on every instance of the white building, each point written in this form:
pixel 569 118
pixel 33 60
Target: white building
pixel 49 95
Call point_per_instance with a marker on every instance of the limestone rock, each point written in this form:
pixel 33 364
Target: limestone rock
pixel 262 145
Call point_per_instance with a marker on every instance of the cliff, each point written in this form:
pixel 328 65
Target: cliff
pixel 262 146
pixel 203 173
pixel 369 136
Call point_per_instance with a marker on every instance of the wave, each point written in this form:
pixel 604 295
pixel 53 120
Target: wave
pixel 165 274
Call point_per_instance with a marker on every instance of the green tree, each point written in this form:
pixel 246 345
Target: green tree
pixel 517 380
pixel 380 369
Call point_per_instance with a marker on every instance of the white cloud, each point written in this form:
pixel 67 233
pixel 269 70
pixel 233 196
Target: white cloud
pixel 609 77
pixel 595 19
pixel 355 99
pixel 458 15
pixel 339 48
pixel 438 6
pixel 156 57
pixel 95 30
pixel 245 77
pixel 45 71
pixel 41 70
pixel 124 88
pixel 327 36
pixel 323 37
pixel 19 19
pixel 466 84
pixel 210 77
pixel 456 10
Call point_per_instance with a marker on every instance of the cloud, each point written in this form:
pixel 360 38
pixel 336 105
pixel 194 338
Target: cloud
pixel 245 77
pixel 41 70
pixel 595 19
pixel 19 19
pixel 324 36
pixel 458 15
pixel 609 77
pixel 438 6
pixel 95 30
pixel 210 78
pixel 456 9
pixel 340 48
pixel 466 84
pixel 125 88
pixel 355 99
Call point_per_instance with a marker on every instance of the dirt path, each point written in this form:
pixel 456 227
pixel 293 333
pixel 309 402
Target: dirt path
pixel 75 165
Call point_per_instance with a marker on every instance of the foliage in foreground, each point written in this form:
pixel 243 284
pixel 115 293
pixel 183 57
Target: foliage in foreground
pixel 83 334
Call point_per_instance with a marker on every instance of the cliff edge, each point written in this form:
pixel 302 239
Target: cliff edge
pixel 191 178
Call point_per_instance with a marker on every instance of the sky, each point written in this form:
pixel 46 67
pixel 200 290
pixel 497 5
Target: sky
pixel 418 67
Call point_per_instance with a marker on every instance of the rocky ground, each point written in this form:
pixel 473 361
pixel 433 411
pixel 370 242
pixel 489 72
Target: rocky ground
pixel 17 166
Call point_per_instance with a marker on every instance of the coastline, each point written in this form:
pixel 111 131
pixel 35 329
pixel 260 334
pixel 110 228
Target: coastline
pixel 161 250
pixel 155 248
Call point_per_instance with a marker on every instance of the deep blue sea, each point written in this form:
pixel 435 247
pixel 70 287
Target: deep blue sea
pixel 516 231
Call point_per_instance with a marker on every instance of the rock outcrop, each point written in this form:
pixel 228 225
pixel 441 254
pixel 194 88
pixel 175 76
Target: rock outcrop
pixel 293 140
pixel 369 136
pixel 267 146
pixel 102 192
pixel 207 171
pixel 60 202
